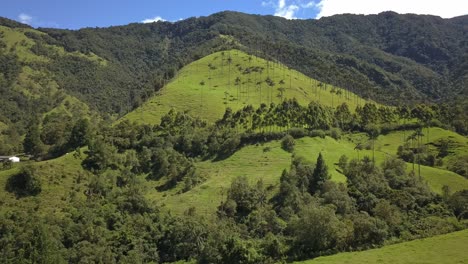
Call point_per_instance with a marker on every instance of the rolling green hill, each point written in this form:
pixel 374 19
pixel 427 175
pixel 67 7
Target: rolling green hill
pixel 448 248
pixel 389 57
pixel 235 79
pixel 60 178
pixel 258 164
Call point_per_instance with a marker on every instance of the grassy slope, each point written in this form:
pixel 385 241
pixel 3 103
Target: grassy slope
pixel 449 248
pixel 59 175
pixel 436 177
pixel 58 178
pixel 256 164
pixel 18 43
pixel 208 101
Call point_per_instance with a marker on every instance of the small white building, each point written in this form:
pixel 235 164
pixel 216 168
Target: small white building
pixel 14 159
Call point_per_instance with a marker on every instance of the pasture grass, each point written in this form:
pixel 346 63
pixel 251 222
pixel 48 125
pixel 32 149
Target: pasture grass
pixel 448 248
pixel 206 87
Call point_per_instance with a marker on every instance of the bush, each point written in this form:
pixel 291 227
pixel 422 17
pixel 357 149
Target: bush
pixel 317 133
pixel 335 133
pixel 287 143
pixel 24 183
pixel 298 132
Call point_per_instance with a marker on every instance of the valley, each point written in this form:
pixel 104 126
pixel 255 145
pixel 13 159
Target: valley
pixel 213 140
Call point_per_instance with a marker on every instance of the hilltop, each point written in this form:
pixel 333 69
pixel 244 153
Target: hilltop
pixel 235 79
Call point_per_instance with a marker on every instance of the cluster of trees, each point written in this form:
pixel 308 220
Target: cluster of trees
pixel 311 215
pixel 306 216
pixel 290 114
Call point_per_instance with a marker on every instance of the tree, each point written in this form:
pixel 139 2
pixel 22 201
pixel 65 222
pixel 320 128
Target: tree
pixel 287 143
pixel 32 141
pixel 242 198
pixel 80 134
pixel 459 204
pixel 425 114
pixel 316 229
pixel 343 162
pixel 319 176
pixel 368 114
pixel 373 131
pixel 343 116
pixel 24 183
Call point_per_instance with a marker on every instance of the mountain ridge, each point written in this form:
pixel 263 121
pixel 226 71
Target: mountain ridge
pixel 329 49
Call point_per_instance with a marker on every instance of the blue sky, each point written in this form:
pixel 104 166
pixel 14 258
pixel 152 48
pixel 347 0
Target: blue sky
pixel 102 13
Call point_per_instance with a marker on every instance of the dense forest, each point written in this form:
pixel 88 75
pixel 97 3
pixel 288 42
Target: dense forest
pixel 306 215
pixel 390 58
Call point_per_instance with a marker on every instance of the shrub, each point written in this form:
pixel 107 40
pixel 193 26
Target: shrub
pixel 335 133
pixel 287 143
pixel 298 132
pixel 24 183
pixel 317 133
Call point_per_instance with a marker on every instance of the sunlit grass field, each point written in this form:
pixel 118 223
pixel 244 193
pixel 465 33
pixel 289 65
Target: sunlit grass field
pixel 449 249
pixel 206 87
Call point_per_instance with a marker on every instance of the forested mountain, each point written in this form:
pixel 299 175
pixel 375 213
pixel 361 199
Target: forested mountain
pixel 389 57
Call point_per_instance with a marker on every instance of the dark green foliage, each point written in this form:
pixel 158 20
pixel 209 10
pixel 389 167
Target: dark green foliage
pixel 242 199
pixel 319 176
pixel 308 215
pixel 100 156
pixel 343 162
pixel 24 183
pixel 32 142
pixel 337 195
pixel 344 117
pixel 432 48
pixel 316 230
pixel 368 230
pixel 287 143
pixel 174 166
pixel 459 204
pixel 366 183
pixel 460 166
pixel 80 134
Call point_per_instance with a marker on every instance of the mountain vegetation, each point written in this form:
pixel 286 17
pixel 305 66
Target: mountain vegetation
pixel 234 138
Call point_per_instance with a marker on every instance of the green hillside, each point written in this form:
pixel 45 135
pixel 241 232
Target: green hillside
pixel 34 90
pixel 450 248
pixel 62 180
pixel 258 164
pixel 206 87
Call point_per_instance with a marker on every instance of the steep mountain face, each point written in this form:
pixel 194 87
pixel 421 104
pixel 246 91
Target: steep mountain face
pixel 388 57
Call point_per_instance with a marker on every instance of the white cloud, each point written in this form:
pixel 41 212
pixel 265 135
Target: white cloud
pixel 25 18
pixel 308 5
pixel 288 9
pixel 445 9
pixel 268 3
pixel 154 19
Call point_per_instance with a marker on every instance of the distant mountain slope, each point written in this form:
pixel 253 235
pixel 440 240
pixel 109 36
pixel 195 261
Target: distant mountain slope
pixel 30 88
pixel 234 79
pixel 389 57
